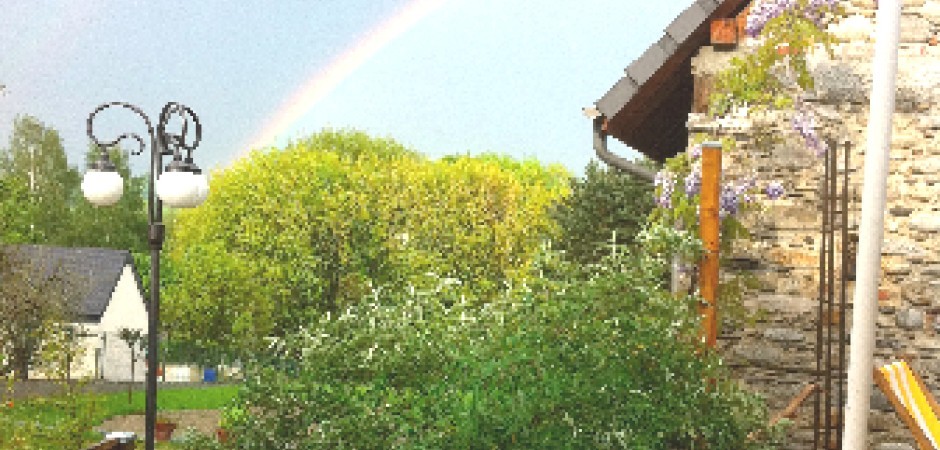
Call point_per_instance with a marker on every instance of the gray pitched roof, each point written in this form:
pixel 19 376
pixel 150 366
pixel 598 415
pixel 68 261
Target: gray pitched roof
pixel 95 270
pixel 648 107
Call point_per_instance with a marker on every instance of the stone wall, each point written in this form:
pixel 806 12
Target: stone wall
pixel 777 355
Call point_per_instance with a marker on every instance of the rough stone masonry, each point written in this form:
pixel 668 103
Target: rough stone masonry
pixel 775 356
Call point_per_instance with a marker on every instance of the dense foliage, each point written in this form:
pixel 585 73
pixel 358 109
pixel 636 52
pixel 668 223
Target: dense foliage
pixel 606 363
pixel 41 203
pixel 40 193
pixel 34 304
pixel 772 75
pixel 605 201
pixel 288 235
pixel 775 74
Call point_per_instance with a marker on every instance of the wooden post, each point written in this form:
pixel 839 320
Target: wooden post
pixel 709 224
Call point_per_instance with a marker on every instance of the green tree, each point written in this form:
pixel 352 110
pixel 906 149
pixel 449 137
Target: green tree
pixel 34 301
pixel 14 209
pixel 134 339
pixel 331 220
pixel 35 159
pixel 603 202
pixel 122 225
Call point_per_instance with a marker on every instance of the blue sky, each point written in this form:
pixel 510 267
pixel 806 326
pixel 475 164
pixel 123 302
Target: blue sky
pixel 507 76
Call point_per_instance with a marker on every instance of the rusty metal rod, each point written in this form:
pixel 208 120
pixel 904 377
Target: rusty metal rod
pixel 830 285
pixel 819 316
pixel 846 149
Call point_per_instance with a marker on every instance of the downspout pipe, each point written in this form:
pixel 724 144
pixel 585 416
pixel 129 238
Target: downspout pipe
pixel 600 147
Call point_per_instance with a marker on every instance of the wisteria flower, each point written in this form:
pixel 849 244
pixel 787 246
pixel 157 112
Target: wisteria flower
pixel 774 190
pixel 804 122
pixel 767 10
pixel 666 182
pixel 693 182
pixel 764 12
pixel 696 151
pixel 727 201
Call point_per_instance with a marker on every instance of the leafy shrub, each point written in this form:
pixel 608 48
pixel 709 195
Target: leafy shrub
pixel 287 235
pixel 190 439
pixel 606 361
pixel 61 422
pixel 604 201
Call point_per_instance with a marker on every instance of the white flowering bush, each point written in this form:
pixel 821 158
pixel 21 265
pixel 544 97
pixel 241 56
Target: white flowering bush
pixel 607 362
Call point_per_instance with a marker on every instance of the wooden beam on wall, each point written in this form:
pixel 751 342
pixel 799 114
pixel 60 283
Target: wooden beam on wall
pixel 709 223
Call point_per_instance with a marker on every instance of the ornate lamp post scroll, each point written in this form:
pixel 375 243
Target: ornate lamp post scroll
pixel 182 186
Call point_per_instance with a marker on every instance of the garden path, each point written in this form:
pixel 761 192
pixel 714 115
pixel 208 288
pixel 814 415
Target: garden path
pixel 204 421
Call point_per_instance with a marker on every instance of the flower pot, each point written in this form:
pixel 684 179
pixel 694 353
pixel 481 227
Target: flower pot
pixel 163 431
pixel 222 435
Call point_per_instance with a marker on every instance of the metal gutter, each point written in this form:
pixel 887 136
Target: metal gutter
pixel 617 162
pixel 600 147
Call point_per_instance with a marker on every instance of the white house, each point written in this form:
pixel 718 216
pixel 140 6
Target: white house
pixel 110 298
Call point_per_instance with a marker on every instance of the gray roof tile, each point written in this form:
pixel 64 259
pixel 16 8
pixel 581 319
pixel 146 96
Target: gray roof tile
pixel 610 104
pixel 647 64
pixel 709 6
pixel 686 23
pixel 668 44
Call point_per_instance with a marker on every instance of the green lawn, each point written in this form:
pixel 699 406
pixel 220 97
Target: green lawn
pixel 46 412
pixel 169 400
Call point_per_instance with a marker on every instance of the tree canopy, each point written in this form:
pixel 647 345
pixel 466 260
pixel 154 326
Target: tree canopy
pixel 326 222
pixel 603 202
pixel 35 161
pixel 43 202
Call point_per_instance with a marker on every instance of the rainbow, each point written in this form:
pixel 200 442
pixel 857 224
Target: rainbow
pixel 327 79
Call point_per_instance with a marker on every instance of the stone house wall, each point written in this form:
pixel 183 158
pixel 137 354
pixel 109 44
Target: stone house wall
pixel 775 356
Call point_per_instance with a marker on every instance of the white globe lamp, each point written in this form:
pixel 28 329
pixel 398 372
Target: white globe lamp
pixel 202 183
pixel 177 188
pixel 102 187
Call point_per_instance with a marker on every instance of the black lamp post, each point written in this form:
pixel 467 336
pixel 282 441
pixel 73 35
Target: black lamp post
pixel 182 186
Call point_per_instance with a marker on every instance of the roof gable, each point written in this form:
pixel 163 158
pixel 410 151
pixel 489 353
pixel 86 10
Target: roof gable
pixel 648 107
pixel 97 270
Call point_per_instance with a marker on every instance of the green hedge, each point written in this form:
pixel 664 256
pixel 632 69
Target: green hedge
pixel 604 362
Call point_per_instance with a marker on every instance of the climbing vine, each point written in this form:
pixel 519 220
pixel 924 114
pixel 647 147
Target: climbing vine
pixel 773 76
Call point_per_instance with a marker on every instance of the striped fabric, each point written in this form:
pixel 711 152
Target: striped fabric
pixel 908 391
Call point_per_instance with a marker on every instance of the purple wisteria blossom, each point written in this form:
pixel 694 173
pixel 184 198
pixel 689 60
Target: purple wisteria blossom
pixel 774 190
pixel 804 122
pixel 696 151
pixel 727 201
pixel 766 10
pixel 693 181
pixel 744 188
pixel 763 12
pixel 814 10
pixel 666 182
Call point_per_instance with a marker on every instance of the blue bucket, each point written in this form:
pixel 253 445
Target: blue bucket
pixel 210 375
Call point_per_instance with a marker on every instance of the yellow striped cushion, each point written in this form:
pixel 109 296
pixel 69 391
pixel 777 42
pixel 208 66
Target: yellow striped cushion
pixel 906 389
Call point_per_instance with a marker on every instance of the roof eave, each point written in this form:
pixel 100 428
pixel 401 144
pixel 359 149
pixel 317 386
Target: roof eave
pixel 647 108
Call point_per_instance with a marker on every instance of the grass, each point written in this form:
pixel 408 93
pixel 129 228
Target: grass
pixel 169 400
pixel 45 411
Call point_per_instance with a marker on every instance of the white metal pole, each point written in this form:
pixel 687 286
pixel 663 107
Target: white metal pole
pixel 871 232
